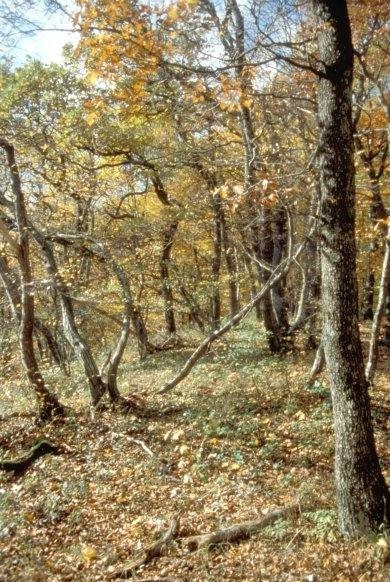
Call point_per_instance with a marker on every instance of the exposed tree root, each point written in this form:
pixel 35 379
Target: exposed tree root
pixel 134 404
pixel 150 552
pixel 20 465
pixel 232 534
pixel 238 532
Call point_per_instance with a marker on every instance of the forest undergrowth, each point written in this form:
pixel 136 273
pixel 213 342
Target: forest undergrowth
pixel 241 436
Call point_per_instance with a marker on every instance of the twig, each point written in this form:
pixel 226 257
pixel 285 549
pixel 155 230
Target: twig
pixel 144 446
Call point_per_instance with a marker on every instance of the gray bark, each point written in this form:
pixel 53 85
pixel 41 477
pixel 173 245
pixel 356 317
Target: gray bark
pixel 15 301
pixel 362 495
pixel 48 404
pixel 130 312
pixel 380 309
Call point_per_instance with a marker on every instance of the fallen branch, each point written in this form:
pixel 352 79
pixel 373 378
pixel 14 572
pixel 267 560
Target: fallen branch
pixel 143 446
pixel 148 553
pixel 240 531
pixel 162 465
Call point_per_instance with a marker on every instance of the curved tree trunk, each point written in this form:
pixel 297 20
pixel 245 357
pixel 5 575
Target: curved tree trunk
pixel 48 404
pixel 362 495
pixel 15 302
pixel 130 313
pixel 72 334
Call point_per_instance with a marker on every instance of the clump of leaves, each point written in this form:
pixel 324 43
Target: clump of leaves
pixel 324 526
pixel 278 530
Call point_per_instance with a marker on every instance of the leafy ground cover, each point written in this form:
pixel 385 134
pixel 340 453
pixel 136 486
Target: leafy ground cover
pixel 243 437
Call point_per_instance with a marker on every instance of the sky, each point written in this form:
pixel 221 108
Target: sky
pixel 45 45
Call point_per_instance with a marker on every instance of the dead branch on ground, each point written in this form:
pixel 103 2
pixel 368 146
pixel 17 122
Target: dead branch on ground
pixel 240 531
pixel 148 553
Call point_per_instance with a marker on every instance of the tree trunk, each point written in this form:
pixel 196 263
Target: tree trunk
pixel 12 291
pixel 261 219
pixel 309 295
pixel 232 34
pixel 380 309
pixel 72 334
pixel 317 367
pixel 166 283
pixel 251 275
pixel 89 245
pixel 215 298
pixel 362 495
pixel 230 259
pixel 279 251
pixel 48 404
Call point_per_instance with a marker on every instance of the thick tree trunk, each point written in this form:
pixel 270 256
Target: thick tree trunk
pixel 362 495
pixel 48 404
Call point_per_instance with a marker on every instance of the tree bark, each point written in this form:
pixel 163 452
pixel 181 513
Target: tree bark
pixel 362 495
pixel 317 367
pixel 280 272
pixel 91 246
pixel 72 334
pixel 48 404
pixel 15 301
pixel 230 260
pixel 380 309
pixel 215 297
pixel 279 250
pixel 166 282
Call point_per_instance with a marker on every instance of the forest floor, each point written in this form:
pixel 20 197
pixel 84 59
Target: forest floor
pixel 245 437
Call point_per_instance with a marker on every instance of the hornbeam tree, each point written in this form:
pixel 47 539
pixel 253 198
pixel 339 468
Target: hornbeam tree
pixel 362 495
pixel 48 404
